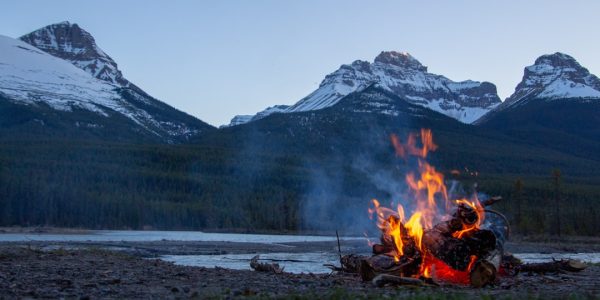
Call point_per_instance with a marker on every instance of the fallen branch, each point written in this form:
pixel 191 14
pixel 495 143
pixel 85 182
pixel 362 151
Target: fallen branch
pixel 556 266
pixel 265 267
pixel 382 264
pixel 351 262
pixel 386 279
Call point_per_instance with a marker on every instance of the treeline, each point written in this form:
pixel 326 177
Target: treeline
pixel 552 205
pixel 102 185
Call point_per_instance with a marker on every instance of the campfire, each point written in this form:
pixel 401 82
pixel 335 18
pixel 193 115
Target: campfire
pixel 442 239
pixel 446 239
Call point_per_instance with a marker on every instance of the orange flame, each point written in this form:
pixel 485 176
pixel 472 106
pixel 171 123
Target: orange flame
pixel 410 148
pixel 478 208
pixel 428 188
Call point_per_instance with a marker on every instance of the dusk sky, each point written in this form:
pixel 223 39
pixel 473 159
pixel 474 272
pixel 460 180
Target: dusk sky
pixel 217 59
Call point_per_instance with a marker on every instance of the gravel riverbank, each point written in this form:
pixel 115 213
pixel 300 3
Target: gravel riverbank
pixel 28 272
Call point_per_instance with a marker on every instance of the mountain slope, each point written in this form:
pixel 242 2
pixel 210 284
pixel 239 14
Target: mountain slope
pixel 405 77
pixel 38 81
pixel 356 131
pixel 556 105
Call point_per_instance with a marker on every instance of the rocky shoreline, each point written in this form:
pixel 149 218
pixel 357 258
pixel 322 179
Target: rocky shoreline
pixel 29 272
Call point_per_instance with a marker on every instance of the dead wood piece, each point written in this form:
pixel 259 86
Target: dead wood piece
pixel 382 249
pixel 456 252
pixel 339 246
pixel 265 267
pixel 382 280
pixel 351 262
pixel 569 265
pixel 482 273
pixel 383 264
pixel 491 201
pixel 333 267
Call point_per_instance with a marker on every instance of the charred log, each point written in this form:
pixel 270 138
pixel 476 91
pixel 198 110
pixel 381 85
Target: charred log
pixel 482 273
pixel 382 249
pixel 383 264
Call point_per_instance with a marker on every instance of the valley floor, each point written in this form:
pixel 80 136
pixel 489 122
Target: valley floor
pixel 28 272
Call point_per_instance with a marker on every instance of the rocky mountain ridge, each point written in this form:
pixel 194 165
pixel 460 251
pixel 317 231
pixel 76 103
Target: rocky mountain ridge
pixel 403 75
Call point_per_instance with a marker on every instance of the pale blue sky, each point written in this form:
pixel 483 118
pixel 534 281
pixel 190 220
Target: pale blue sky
pixel 216 59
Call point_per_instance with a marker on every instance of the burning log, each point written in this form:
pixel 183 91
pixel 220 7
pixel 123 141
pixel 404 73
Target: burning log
pixel 457 240
pixel 482 273
pixel 265 267
pixel 458 247
pixel 456 252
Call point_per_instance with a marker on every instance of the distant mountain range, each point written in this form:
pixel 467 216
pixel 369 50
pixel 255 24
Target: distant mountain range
pixel 60 67
pixel 83 146
pixel 405 77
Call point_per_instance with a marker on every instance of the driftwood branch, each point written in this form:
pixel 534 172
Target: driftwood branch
pixel 386 279
pixel 491 201
pixel 265 267
pixel 382 264
pixel 557 266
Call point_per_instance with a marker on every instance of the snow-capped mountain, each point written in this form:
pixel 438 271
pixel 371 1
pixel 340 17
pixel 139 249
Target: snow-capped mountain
pixel 31 76
pixel 557 97
pixel 75 75
pixel 404 76
pixel 70 42
pixel 555 76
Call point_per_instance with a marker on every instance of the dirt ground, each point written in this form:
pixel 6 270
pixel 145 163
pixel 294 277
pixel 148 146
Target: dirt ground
pixel 31 271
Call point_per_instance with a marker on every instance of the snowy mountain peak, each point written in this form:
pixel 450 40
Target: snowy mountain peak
pixel 404 76
pixel 557 59
pixel 33 79
pixel 70 42
pixel 400 59
pixel 555 76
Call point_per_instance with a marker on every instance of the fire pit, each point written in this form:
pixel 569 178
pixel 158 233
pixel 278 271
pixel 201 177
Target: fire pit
pixel 445 239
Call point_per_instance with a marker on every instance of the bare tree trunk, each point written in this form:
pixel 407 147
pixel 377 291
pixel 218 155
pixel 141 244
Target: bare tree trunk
pixel 556 182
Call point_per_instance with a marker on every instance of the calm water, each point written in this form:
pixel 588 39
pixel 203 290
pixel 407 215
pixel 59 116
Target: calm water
pixel 149 236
